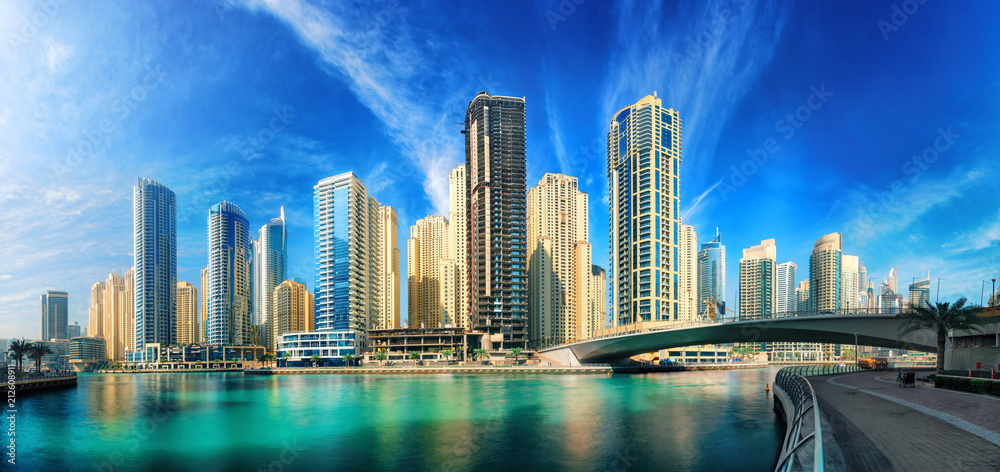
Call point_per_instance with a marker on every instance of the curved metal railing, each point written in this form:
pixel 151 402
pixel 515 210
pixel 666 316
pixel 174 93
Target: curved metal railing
pixel 804 428
pixel 822 369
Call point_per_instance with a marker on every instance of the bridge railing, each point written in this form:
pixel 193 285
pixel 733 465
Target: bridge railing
pixel 802 448
pixel 664 326
pixel 823 369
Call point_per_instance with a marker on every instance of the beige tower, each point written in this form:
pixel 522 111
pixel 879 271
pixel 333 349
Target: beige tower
pixel 457 300
pixel 389 315
pixel 687 266
pixel 598 303
pixel 559 261
pixel 293 310
pixel 849 279
pixel 204 305
pixel 427 246
pixel 825 274
pixel 127 325
pixel 187 313
pixel 115 313
pixel 95 328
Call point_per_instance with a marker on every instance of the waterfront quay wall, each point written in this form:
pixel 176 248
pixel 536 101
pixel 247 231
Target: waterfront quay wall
pixel 593 369
pixel 47 382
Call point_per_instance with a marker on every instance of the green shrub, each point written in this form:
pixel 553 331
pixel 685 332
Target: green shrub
pixel 980 386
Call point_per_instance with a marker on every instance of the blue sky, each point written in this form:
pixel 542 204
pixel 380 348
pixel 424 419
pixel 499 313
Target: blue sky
pixel 254 102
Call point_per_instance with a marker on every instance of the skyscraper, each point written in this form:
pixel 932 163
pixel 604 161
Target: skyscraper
pixel 127 328
pixel 712 276
pixel 559 261
pixel 688 268
pixel 920 293
pixel 187 313
pixel 155 217
pixel 389 306
pixel 785 299
pixel 270 268
pixel 495 169
pixel 862 280
pixel 54 315
pixel 427 246
pixel 849 283
pixel 457 264
pixel 116 316
pixel 644 156
pixel 230 303
pixel 598 300
pixel 348 252
pixel 757 285
pixel 825 274
pixel 293 309
pixel 95 326
pixel 73 331
pixel 802 296
pixel 203 322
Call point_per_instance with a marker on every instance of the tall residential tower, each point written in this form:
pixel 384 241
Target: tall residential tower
pixel 155 237
pixel 644 157
pixel 559 261
pixel 270 268
pixel 230 303
pixel 495 169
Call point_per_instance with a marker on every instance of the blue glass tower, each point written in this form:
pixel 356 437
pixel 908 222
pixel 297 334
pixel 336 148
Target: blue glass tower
pixel 348 257
pixel 155 238
pixel 712 276
pixel 229 290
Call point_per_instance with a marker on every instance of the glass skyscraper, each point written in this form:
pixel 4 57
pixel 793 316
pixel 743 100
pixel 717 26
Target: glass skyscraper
pixel 55 310
pixel 229 290
pixel 155 237
pixel 497 231
pixel 644 157
pixel 712 276
pixel 348 252
pixel 270 268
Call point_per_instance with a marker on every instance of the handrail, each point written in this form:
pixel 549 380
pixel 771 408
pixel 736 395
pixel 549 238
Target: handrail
pixel 803 399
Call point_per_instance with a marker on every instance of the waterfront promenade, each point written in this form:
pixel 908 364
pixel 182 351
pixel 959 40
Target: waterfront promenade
pixel 880 427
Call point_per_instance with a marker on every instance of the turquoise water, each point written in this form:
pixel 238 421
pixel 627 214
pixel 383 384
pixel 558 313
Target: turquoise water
pixel 719 420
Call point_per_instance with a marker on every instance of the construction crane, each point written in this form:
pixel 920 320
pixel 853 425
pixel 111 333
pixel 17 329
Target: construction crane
pixel 710 308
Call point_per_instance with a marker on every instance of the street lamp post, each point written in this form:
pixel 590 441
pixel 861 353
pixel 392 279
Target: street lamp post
pixel 994 292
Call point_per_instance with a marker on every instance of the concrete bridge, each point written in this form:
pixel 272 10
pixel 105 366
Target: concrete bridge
pixel 880 330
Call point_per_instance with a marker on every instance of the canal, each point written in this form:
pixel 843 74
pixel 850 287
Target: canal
pixel 709 420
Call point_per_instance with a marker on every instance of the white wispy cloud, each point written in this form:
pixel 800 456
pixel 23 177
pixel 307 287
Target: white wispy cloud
pixel 696 203
pixel 387 71
pixel 701 64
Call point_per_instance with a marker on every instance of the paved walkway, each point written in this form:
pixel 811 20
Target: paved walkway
pixel 881 427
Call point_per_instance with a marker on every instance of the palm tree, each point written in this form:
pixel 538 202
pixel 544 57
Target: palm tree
pixel 516 352
pixel 286 356
pixel 941 318
pixel 315 359
pixel 262 359
pixel 447 353
pixel 415 357
pixel 18 349
pixel 37 351
pixel 381 356
pixel 348 358
pixel 481 354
